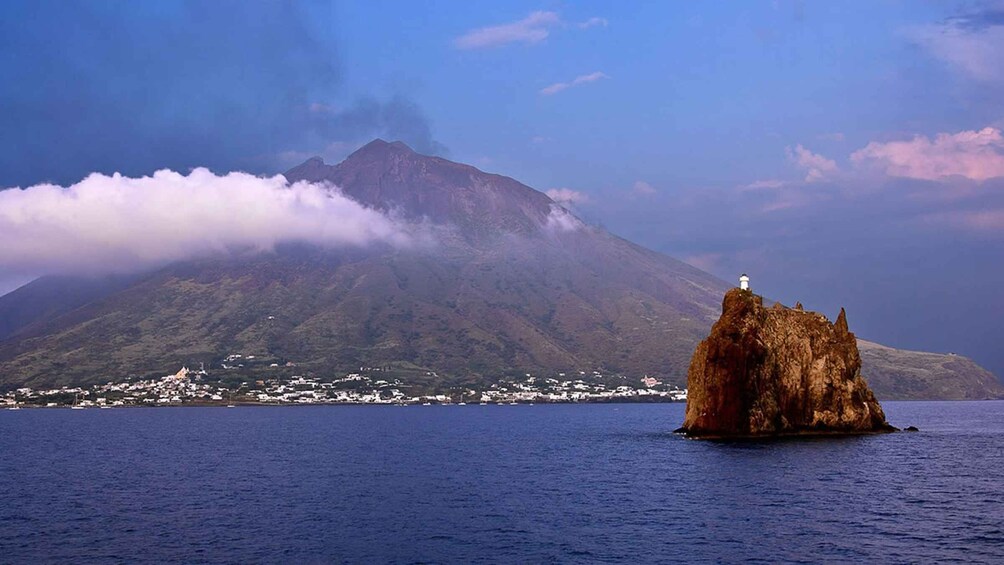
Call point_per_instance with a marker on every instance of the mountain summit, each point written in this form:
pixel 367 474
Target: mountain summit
pixel 392 177
pixel 511 283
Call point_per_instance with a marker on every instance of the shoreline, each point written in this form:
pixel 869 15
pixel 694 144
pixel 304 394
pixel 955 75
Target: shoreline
pixel 398 405
pixel 316 404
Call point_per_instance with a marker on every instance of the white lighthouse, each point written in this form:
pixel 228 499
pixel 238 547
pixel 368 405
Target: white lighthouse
pixel 744 282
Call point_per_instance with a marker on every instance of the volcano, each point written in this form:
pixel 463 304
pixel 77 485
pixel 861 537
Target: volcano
pixel 502 280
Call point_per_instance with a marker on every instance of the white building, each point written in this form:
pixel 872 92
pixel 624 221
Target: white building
pixel 744 282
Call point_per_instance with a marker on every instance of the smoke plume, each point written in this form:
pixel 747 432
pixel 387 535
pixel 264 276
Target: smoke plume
pixel 139 86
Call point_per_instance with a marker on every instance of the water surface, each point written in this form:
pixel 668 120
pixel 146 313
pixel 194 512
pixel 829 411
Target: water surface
pixel 462 484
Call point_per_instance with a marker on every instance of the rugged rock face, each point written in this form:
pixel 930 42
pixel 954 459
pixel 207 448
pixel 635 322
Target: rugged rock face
pixel 778 371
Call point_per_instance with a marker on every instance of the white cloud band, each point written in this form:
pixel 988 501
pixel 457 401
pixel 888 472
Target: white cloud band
pixel 115 223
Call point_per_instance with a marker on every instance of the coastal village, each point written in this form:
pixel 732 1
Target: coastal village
pixel 197 387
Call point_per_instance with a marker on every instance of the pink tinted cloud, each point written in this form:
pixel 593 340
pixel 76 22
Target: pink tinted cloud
pixel 579 80
pixel 531 29
pixel 815 165
pixel 975 155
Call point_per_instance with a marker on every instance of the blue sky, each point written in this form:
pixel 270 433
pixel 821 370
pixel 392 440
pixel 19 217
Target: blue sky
pixel 842 153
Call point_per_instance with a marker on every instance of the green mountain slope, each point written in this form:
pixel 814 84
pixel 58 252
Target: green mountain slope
pixel 897 374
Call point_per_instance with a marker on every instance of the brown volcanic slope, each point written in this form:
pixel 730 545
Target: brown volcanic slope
pixel 390 176
pixel 501 289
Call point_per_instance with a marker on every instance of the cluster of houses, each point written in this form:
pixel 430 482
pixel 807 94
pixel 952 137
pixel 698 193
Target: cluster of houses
pixel 185 386
pixel 189 387
pixel 534 389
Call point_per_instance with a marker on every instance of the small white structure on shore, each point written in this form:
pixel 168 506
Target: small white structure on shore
pixel 744 282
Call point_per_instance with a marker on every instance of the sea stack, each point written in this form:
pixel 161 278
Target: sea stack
pixel 778 372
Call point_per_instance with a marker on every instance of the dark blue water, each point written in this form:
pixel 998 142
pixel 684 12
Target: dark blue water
pixel 571 483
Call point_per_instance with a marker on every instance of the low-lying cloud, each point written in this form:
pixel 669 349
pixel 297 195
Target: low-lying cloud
pixel 116 224
pixel 567 196
pixel 561 220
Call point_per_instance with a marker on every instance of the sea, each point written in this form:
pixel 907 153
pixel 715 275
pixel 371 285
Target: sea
pixel 590 483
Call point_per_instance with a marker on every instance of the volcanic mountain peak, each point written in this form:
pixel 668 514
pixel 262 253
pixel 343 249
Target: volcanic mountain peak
pixel 379 151
pixel 379 145
pixel 390 176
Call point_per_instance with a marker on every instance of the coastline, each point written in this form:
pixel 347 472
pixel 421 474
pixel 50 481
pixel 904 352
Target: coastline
pixel 621 400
